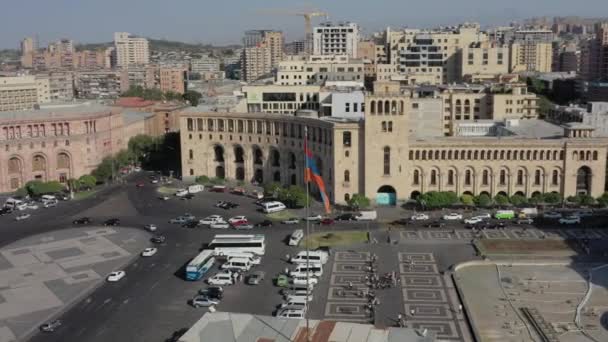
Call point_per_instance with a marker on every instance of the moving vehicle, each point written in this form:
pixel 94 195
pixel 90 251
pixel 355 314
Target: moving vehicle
pixel 116 276
pixel 220 225
pixel 313 218
pixel 401 222
pixel 245 226
pixel 237 219
pixel 504 214
pixel 82 220
pixel 22 217
pixel 570 220
pixel 291 313
pixel 211 219
pixel 178 220
pixel 552 215
pixel 191 224
pixel 254 259
pixel 218 188
pixel 346 217
pixel 273 207
pixel 367 215
pixel 292 220
pixel 452 217
pixel 224 277
pixel 148 252
pixel 212 292
pixel 237 264
pixel 326 221
pixel 203 301
pixel 181 192
pixel 473 220
pixel 111 222
pixel 158 239
pixel 51 326
pixel 256 278
pixel 435 224
pixel 196 188
pixel 265 223
pixel 198 266
pixel 296 237
pixel 224 244
pixel 419 217
pixel 150 227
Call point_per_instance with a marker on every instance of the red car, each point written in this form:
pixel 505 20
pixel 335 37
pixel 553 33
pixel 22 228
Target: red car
pixel 327 221
pixel 139 185
pixel 239 222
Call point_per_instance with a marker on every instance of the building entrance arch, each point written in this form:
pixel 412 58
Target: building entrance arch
pixel 386 195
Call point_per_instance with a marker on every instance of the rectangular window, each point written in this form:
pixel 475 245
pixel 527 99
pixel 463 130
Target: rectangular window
pixel 199 124
pixel 347 107
pixel 355 107
pixel 190 124
pixel 191 154
pixel 346 138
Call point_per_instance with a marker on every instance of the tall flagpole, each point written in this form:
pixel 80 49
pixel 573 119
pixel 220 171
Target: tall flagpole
pixel 307 181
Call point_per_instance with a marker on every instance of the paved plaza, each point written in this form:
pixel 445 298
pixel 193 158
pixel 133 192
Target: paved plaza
pixel 42 274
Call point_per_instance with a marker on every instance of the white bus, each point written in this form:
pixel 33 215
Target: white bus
pixel 223 244
pixel 200 265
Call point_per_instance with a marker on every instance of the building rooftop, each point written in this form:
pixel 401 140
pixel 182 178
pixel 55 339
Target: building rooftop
pixel 130 116
pixel 57 111
pixel 533 129
pixel 226 326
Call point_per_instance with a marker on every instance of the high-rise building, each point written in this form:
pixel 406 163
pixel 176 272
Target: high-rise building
pixel 295 48
pixel 28 45
pixel 173 79
pixel 340 39
pixel 594 55
pixel 61 46
pixel 531 50
pixel 130 50
pixel 261 56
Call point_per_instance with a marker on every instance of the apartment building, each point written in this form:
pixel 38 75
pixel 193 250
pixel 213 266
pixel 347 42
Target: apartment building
pixel 319 69
pixel 29 45
pixel 130 50
pixel 23 93
pixel 173 79
pixel 97 84
pixel 483 60
pixel 338 39
pixel 61 85
pixel 61 46
pixel 281 99
pixel 263 51
pixel 594 55
pixel 204 65
pixel 531 50
pixel 139 76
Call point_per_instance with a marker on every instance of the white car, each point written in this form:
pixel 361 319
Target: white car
pixel 154 181
pixel 483 216
pixel 221 279
pixel 313 218
pixel 302 281
pixel 473 220
pixel 452 217
pixel 21 206
pixel 181 192
pixel 211 219
pixel 150 227
pixel 552 215
pixel 164 198
pixel 137 169
pixel 570 220
pixel 584 213
pixel 237 219
pixel 32 206
pixel 50 204
pixel 419 217
pixel 22 217
pixel 116 276
pixel 220 225
pixel 148 252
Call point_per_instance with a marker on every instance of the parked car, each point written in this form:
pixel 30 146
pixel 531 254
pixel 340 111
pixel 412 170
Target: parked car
pixel 164 198
pixel 237 219
pixel 191 224
pixel 218 188
pixel 326 221
pixel 82 220
pixel 211 219
pixel 238 191
pixel 452 217
pixel 188 197
pixel 139 184
pixel 158 239
pixel 32 206
pixel 435 224
pixel 148 252
pixel 50 204
pixel 50 326
pixel 401 222
pixel 265 223
pixel 111 222
pixel 584 213
pixel 473 220
pixel 256 278
pixel 524 221
pixel 219 225
pixel 346 217
pixel 216 292
pixel 292 220
pixel 150 227
pixel 22 217
pixel 154 181
pixel 116 276
pixel 419 217
pixel 570 220
pixel 202 301
pixel 244 226
pixel 181 192
pixel 313 218
pixel 552 215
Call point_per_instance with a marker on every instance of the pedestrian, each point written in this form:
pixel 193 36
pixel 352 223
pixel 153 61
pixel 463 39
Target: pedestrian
pixel 287 257
pixel 412 312
pixel 350 285
pixel 459 307
pixel 286 270
pixel 399 319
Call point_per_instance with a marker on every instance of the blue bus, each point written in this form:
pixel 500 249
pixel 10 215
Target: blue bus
pixel 200 265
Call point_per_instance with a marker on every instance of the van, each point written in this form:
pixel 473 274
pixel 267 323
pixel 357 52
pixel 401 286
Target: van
pixel 253 259
pixel 298 302
pixel 298 290
pixel 291 313
pixel 296 237
pixel 314 257
pixel 368 215
pixel 12 203
pixel 299 295
pixel 256 194
pixel 303 280
pixel 273 207
pixel 195 188
pixel 222 278
pixel 528 212
pixel 504 214
pixel 310 269
pixel 45 198
pixel 240 264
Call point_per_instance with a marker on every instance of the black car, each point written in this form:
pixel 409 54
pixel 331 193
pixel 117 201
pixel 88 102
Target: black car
pixel 5 211
pixel 111 222
pixel 188 196
pixel 265 223
pixel 191 224
pixel 401 222
pixel 228 205
pixel 436 224
pixel 51 326
pixel 158 239
pixel 82 220
pixel 345 217
pixel 212 292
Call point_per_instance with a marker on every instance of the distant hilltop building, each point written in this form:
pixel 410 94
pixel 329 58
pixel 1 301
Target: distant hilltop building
pixel 130 50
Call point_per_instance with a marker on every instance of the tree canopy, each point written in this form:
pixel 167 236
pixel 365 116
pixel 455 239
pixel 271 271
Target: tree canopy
pixel 358 201
pixel 437 199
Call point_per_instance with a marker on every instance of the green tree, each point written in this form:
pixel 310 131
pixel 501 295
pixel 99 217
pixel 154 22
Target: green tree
pixel 536 199
pixel 501 199
pixel 140 145
pixel 358 201
pixel 272 189
pixel 134 91
pixel 87 181
pixel 193 97
pixel 467 199
pixel 294 196
pixel 436 199
pixel 217 181
pixel 482 200
pixel 603 199
pixel 552 198
pixel 202 180
pixel 37 188
pixel 103 171
pixel 171 95
pixel 518 200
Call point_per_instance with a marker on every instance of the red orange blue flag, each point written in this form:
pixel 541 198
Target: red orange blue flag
pixel 311 173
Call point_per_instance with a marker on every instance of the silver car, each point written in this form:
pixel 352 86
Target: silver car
pixel 256 278
pixel 202 301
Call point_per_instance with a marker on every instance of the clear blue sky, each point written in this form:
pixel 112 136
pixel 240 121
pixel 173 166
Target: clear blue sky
pixel 223 21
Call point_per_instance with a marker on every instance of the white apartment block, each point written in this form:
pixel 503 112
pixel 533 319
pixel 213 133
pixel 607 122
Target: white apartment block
pixel 204 65
pixel 130 50
pixel 23 93
pixel 340 39
pixel 319 69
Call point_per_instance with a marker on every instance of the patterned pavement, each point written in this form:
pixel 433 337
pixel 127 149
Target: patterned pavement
pixel 509 234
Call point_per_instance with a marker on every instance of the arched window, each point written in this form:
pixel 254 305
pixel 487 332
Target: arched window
pixel 394 107
pixel 554 155
pixel 424 155
pixel 575 155
pixel 383 126
pixel 416 180
pixel 387 160
pixel 495 155
pixel 502 180
pixel 373 107
pixel 467 106
pixel 529 155
pixel 450 177
pixel 485 176
pixel 588 155
pixel 401 105
pixel 431 155
pixel 469 155
pixel 476 155
pixel 537 177
pixel 520 177
pixel 417 155
pixel 509 155
pixel 387 107
pixel 502 155
pixel 390 126
pixel 458 107
pixel 450 155
pixel 346 197
pixel 467 177
pixel 443 155
pixel 456 155
pixel 437 155
pixel 346 176
pixel 594 155
pixel 411 155
pixel 535 155
pixel 542 155
pixel 555 177
pixel 433 177
pixel 483 155
pixel 380 107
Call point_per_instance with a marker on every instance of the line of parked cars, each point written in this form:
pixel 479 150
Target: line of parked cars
pixel 238 222
pixel 18 204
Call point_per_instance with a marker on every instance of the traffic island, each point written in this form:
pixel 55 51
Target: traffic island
pixel 332 239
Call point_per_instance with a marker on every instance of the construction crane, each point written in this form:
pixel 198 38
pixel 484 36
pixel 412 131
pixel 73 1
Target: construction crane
pixel 308 15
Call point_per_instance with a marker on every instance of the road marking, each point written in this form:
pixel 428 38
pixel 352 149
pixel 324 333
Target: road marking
pixel 81 331
pixel 125 301
pixel 154 285
pixel 107 301
pixel 151 265
pixel 101 331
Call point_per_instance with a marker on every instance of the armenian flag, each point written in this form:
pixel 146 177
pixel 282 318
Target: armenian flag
pixel 311 173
